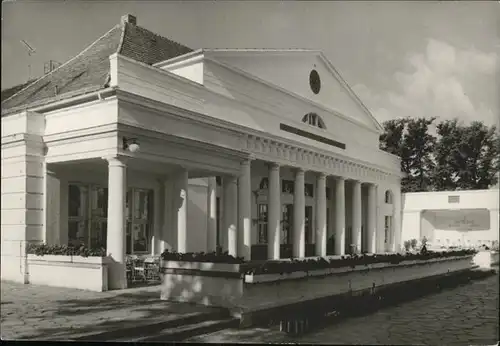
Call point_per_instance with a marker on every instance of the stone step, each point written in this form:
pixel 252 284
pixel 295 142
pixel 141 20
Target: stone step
pixel 145 329
pixel 186 331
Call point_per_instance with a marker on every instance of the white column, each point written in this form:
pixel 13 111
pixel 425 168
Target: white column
pixel 321 215
pixel 339 216
pixel 371 232
pixel 274 224
pixel 245 211
pixel 180 206
pixel 211 214
pixel 117 190
pixel 167 234
pixel 396 227
pixel 299 216
pixel 159 200
pixel 356 215
pixel 231 213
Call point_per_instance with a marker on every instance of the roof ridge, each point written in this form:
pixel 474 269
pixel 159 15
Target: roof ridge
pixel 120 45
pixel 61 66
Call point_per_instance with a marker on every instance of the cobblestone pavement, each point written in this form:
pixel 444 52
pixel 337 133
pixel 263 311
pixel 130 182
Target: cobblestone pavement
pixel 40 312
pixel 464 315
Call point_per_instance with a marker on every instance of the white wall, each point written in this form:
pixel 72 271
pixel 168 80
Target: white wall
pixel 22 208
pixel 475 217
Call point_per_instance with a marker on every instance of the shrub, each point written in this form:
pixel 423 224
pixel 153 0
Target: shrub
pixel 64 250
pixel 214 257
pixel 413 243
pixel 407 245
pixel 281 267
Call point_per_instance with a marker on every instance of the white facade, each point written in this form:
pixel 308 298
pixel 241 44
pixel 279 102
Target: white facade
pixel 452 218
pixel 241 115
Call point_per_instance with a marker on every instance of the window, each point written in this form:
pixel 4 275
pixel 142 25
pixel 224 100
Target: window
pixel 88 213
pixel 139 209
pixel 308 224
pixel 98 216
pixel 286 224
pixel 387 229
pixel 218 220
pixel 262 224
pixel 453 199
pixel 314 119
pixel 78 215
pixel 264 184
pixel 309 190
pixel 388 197
pixel 328 193
pixel 287 186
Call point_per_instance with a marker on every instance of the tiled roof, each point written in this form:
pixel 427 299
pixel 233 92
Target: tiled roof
pixel 6 93
pixel 89 70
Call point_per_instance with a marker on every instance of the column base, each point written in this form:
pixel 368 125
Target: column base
pixel 117 276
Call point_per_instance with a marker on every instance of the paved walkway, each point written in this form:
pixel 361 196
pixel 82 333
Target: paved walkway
pixel 40 312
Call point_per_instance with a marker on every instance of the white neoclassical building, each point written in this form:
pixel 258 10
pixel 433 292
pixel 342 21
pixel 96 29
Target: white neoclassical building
pixel 140 144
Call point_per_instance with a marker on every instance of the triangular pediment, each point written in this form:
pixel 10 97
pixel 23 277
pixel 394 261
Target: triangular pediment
pixel 290 70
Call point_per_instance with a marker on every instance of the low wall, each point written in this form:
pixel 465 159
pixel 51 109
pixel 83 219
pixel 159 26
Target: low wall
pixel 245 294
pixel 89 273
pixel 486 259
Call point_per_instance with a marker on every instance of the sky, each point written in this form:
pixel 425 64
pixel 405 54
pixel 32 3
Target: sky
pixel 431 59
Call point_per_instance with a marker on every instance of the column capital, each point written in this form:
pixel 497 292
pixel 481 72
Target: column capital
pixel 340 178
pixel 321 175
pixel 273 165
pixel 229 179
pixel 246 162
pixel 117 160
pixel 300 170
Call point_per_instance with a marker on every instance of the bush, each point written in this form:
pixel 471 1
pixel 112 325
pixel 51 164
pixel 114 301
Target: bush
pixel 413 243
pixel 281 267
pixel 64 250
pixel 407 245
pixel 214 257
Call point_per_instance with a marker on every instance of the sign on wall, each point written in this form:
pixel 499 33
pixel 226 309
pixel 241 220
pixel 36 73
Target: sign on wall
pixel 461 220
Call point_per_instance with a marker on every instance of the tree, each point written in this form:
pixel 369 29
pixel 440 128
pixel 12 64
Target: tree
pixel 448 135
pixel 420 144
pixel 461 157
pixel 475 156
pixel 392 141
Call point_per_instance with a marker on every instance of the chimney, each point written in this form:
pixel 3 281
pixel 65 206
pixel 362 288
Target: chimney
pixel 128 18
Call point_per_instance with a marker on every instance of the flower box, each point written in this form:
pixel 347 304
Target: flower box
pixel 227 285
pixel 89 273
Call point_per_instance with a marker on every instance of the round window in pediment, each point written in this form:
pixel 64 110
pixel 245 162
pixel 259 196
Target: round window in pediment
pixel 314 81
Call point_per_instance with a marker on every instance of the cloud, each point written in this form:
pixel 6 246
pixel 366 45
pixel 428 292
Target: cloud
pixel 444 82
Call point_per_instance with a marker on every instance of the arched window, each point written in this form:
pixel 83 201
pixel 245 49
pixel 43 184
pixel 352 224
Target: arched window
pixel 388 197
pixel 314 120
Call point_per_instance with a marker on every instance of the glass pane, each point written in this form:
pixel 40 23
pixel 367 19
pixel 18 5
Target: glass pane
pixel 77 200
pixel 217 219
pixel 140 236
pixel 286 226
pixel 141 204
pixel 263 212
pixel 77 233
pixel 99 202
pixel 128 236
pixel 263 233
pixel 99 234
pixel 308 224
pixel 128 203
